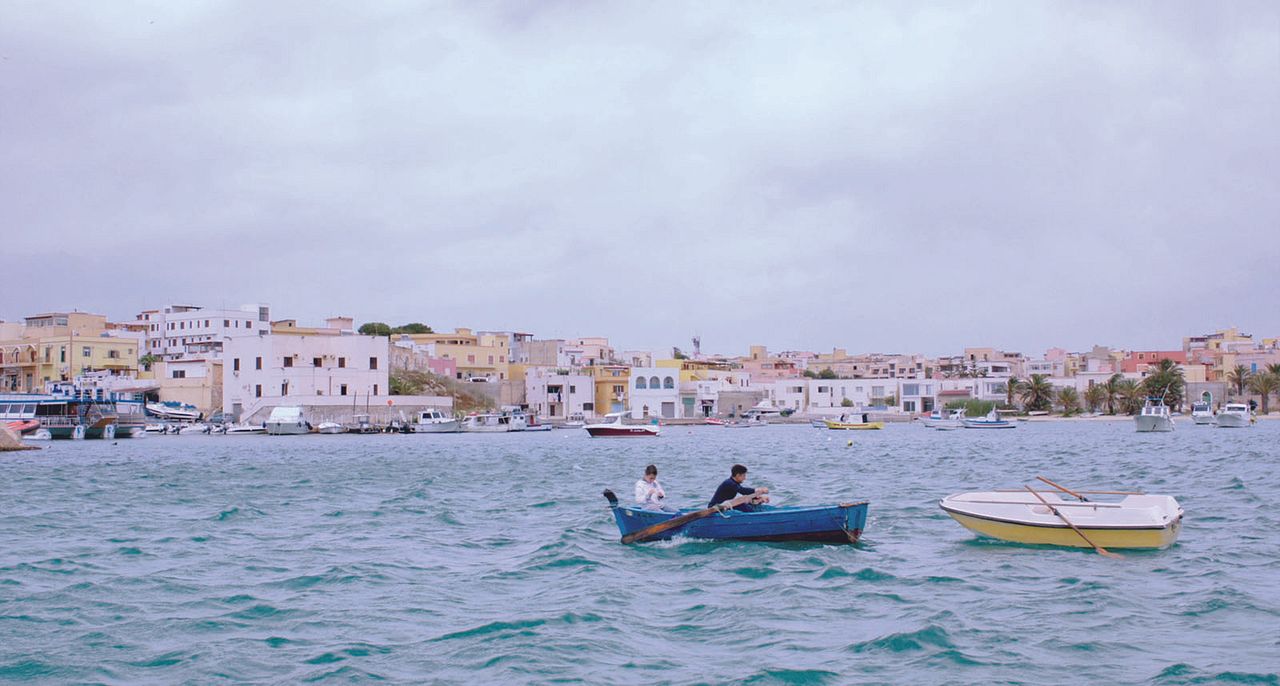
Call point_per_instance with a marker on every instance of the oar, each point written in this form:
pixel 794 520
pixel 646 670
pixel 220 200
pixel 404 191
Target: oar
pixel 1064 489
pixel 1100 549
pixel 677 522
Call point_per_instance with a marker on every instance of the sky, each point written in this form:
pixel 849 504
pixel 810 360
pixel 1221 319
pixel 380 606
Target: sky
pixel 893 177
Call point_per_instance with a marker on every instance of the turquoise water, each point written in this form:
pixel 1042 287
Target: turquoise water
pixel 493 558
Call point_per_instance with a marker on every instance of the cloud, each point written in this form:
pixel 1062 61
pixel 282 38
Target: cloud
pixel 898 176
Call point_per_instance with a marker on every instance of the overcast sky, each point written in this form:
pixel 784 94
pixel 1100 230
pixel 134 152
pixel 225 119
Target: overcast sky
pixel 888 177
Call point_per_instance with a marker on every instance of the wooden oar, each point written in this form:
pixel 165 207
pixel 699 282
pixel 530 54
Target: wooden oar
pixel 1064 489
pixel 1100 549
pixel 677 522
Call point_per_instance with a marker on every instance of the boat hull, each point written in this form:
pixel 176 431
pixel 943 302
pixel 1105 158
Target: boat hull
pixel 1065 536
pixel 287 429
pixel 1153 423
pixel 621 431
pixel 1231 421
pixel 1202 419
pixel 836 524
pixel 452 426
pixel 855 426
pixel 979 424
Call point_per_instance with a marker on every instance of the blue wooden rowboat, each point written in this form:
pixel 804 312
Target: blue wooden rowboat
pixel 841 523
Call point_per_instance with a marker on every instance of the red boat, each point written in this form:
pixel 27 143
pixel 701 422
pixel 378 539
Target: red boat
pixel 612 427
pixel 24 426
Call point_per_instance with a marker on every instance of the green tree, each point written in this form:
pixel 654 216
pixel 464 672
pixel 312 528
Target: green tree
pixel 847 402
pixel 147 360
pixel 1264 385
pixel 413 327
pixel 1037 393
pixel 828 373
pixel 1165 380
pixel 1011 388
pixel 1068 400
pixel 1129 396
pixel 1239 377
pixel 1113 391
pixel 1096 397
pixel 810 374
pixel 375 329
pixel 677 354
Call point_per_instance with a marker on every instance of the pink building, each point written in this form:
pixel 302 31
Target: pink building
pixel 1136 361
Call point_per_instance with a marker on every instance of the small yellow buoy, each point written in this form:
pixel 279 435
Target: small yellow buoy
pixel 849 444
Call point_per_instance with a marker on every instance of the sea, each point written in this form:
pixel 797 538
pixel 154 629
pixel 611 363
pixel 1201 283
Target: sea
pixel 493 558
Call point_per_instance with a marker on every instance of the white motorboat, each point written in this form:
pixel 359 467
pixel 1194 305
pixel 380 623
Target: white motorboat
pixel 940 419
pixel 436 422
pixel 362 424
pixel 191 428
pixel 576 421
pixel 157 428
pixel 487 423
pixel 992 420
pixel 612 426
pixel 1235 416
pixel 287 421
pixel 1154 416
pixel 1202 412
pixel 179 412
pixel 245 429
pixel 330 428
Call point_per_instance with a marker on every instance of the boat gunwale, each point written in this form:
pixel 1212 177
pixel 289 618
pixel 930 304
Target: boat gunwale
pixel 784 509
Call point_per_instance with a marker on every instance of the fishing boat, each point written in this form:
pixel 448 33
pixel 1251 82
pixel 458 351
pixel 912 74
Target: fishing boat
pixel 713 421
pixel 287 421
pixel 818 423
pixel 1047 518
pixel 991 420
pixel 1235 416
pixel 576 421
pixel 330 428
pixel 1154 416
pixel 849 423
pixel 940 419
pixel 612 427
pixel 1202 411
pixel 435 421
pixel 839 524
pixel 487 423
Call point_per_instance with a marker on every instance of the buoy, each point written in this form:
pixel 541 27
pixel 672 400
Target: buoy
pixel 849 444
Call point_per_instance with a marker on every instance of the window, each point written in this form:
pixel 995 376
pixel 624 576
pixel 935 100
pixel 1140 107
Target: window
pixel 640 382
pixel 62 353
pixel 206 323
pixel 573 389
pixel 235 365
pixel 668 382
pixel 588 407
pixel 471 358
pixel 502 358
pixel 288 361
pixel 257 391
pixel 315 362
pixel 248 325
pixel 619 389
pixel 85 352
pixel 654 382
pixel 911 389
pixel 257 363
pixel 373 364
pixel 226 323
pixel 179 374
pixel 284 388
pixel 491 359
pixel 375 389
pixel 47 350
pixel 342 390
pixel 342 363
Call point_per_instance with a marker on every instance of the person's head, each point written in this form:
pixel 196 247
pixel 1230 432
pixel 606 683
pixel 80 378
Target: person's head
pixel 651 472
pixel 738 473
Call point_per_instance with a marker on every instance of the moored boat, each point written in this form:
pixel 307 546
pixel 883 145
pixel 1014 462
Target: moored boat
pixel 245 429
pixel 613 427
pixel 1202 411
pixel 838 524
pixel 991 420
pixel 1133 521
pixel 287 421
pixel 941 419
pixel 1235 416
pixel 436 422
pixel 1154 417
pixel 858 422
pixel 330 428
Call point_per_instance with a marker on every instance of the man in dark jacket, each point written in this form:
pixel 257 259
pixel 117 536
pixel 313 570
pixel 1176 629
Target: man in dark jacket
pixel 732 487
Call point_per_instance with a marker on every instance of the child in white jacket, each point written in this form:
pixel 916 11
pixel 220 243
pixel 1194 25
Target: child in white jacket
pixel 649 493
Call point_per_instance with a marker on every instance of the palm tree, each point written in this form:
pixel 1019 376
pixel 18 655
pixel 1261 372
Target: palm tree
pixel 1274 369
pixel 1011 387
pixel 1068 400
pixel 1166 380
pixel 1239 377
pixel 1096 396
pixel 1130 395
pixel 1264 385
pixel 1113 391
pixel 1037 394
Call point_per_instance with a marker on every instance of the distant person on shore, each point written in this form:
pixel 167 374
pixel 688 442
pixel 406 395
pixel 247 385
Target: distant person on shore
pixel 732 487
pixel 649 493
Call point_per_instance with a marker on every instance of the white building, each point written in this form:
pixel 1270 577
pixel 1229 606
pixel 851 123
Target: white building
pixel 289 368
pixel 788 394
pixel 179 330
pixel 655 392
pixel 558 393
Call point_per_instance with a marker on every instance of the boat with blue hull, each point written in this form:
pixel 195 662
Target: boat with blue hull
pixel 839 524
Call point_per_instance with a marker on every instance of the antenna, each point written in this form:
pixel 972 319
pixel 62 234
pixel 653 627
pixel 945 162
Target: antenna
pixel 697 345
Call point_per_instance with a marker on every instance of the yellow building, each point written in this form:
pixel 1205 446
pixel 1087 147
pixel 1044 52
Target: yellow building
pixel 612 381
pixel 60 346
pixel 476 355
